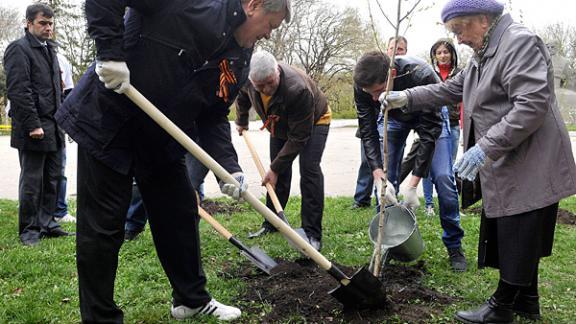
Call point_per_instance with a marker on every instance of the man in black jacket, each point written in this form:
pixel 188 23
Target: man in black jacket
pixel 370 79
pixel 189 58
pixel 34 89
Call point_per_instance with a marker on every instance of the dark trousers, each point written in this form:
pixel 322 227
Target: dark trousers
pixel 103 200
pixel 39 174
pixel 136 217
pixel 311 181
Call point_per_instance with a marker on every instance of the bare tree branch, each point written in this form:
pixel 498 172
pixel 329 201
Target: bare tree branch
pixel 409 12
pixel 384 14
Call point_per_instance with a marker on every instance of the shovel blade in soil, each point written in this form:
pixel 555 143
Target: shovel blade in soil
pixel 260 259
pixel 363 291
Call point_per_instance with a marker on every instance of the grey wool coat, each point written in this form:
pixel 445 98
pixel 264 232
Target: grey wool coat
pixel 511 111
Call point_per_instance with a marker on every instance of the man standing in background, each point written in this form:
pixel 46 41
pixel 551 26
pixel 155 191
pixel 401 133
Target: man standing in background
pixel 34 88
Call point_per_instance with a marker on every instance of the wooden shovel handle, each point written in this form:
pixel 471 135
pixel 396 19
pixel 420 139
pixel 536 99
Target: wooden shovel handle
pixel 214 223
pixel 221 173
pixel 260 167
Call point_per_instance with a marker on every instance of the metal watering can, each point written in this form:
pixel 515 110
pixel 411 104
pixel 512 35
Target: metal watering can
pixel 401 238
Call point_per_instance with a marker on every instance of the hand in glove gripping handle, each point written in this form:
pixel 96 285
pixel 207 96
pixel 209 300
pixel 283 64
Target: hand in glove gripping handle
pixel 470 163
pixel 114 74
pixel 231 189
pixel 394 99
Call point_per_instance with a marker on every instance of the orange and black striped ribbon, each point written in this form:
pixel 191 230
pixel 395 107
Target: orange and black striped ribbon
pixel 227 77
pixel 271 120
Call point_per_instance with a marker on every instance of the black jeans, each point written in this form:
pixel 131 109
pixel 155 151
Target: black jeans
pixel 311 181
pixel 103 199
pixel 39 174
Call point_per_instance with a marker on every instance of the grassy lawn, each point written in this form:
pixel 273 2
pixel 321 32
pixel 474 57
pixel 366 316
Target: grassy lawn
pixel 39 284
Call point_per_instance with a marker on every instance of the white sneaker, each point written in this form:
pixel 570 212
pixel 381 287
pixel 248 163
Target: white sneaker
pixel 67 219
pixel 430 211
pixel 214 308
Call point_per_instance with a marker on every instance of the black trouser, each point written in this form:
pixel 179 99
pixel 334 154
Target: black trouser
pixel 311 180
pixel 103 199
pixel 39 174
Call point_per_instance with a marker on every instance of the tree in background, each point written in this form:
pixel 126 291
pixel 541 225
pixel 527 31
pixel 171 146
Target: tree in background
pixel 72 36
pixel 11 25
pixel 325 42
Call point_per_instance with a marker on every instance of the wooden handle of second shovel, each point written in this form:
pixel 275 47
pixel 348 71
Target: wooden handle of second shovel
pixel 221 173
pixel 260 167
pixel 214 223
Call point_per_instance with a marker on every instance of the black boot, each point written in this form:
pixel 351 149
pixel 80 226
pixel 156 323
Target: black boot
pixel 527 306
pixel 498 309
pixel 527 303
pixel 489 312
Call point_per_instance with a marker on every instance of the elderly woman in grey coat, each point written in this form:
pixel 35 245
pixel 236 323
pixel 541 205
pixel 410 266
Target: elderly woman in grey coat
pixel 516 141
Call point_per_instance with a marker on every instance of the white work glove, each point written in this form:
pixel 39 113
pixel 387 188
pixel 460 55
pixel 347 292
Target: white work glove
pixel 390 194
pixel 411 198
pixel 231 189
pixel 114 74
pixel 394 99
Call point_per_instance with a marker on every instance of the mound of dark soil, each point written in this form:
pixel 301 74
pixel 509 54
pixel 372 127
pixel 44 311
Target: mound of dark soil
pixel 218 207
pixel 566 217
pixel 300 288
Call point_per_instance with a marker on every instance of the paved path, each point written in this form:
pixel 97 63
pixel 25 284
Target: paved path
pixel 339 163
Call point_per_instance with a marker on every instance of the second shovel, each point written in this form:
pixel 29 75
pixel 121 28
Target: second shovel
pixel 269 188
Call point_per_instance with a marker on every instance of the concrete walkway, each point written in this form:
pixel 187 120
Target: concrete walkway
pixel 340 162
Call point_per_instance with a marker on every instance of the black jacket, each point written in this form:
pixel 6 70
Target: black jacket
pixel 410 72
pixel 173 50
pixel 34 87
pixel 294 110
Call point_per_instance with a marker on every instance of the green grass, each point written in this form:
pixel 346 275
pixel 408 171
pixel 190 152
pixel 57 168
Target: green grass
pixel 39 284
pixel 571 127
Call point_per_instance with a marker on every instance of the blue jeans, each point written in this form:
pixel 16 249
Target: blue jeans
pixel 136 217
pixel 61 204
pixel 455 138
pixel 441 175
pixel 455 135
pixel 364 182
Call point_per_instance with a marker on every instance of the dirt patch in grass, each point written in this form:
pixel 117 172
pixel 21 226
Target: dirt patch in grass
pixel 300 289
pixel 566 217
pixel 213 207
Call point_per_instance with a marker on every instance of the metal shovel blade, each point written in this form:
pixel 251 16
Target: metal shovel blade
pixel 255 255
pixel 302 233
pixel 361 291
